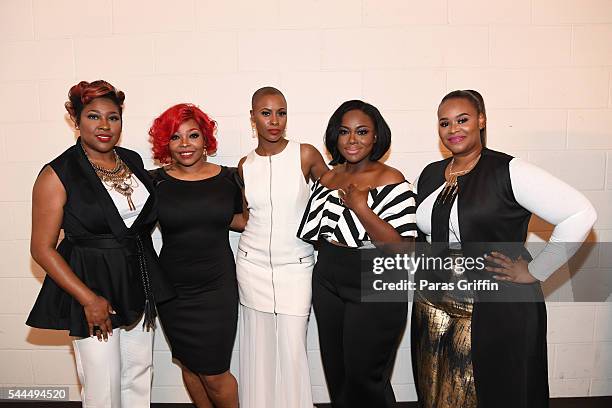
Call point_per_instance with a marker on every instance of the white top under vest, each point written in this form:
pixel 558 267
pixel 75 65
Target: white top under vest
pixel 543 195
pixel 273 265
pixel 140 195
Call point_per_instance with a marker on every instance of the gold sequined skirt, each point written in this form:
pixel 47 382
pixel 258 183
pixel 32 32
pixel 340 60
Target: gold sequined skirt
pixel 442 357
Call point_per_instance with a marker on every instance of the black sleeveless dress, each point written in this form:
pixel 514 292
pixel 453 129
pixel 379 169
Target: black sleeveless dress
pixel 116 262
pixel 194 216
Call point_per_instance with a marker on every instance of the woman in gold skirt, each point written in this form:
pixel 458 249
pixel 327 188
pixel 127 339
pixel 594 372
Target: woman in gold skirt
pixel 479 321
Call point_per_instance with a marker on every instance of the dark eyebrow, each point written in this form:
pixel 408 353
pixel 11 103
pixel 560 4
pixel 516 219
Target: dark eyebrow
pixel 98 112
pixel 356 127
pixel 461 114
pixel 270 109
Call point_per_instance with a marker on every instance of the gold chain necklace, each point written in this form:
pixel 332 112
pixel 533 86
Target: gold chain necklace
pixel 118 179
pixel 451 188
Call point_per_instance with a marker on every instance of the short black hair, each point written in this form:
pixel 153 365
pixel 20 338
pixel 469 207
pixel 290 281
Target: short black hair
pixel 266 90
pixel 383 132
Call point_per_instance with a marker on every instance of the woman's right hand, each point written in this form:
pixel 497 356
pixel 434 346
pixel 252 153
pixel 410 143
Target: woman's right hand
pixel 97 313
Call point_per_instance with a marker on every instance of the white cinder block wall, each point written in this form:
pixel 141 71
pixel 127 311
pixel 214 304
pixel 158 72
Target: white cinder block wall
pixel 543 66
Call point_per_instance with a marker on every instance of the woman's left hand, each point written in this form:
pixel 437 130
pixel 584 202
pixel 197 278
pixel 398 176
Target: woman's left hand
pixel 509 270
pixel 354 197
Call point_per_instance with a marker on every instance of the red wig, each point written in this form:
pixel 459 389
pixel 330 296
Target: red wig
pixel 84 92
pixel 168 122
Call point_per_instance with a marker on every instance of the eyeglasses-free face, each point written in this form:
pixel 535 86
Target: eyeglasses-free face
pixel 269 114
pixel 459 125
pixel 100 125
pixel 187 144
pixel 356 136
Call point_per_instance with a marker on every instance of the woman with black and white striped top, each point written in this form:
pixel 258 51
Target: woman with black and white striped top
pixel 359 202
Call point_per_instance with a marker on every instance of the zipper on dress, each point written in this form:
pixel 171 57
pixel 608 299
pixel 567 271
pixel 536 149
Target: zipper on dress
pixel 270 243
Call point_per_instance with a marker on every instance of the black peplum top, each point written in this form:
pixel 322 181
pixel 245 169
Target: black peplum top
pixel 116 262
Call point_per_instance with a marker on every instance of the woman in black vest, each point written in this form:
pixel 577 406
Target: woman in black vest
pixel 483 345
pixel 103 278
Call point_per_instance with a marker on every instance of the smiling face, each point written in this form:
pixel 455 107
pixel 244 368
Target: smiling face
pixel 100 125
pixel 269 114
pixel 356 136
pixel 187 144
pixel 459 125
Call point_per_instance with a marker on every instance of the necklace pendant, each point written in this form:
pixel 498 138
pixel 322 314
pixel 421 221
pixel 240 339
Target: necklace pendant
pixel 124 188
pixel 130 203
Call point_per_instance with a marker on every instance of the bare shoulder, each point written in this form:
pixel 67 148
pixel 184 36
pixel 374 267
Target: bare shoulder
pixel 326 178
pixel 48 180
pixel 390 175
pixel 48 188
pixel 313 164
pixel 309 152
pixel 240 164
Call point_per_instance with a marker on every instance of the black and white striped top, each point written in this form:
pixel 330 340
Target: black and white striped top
pixel 325 217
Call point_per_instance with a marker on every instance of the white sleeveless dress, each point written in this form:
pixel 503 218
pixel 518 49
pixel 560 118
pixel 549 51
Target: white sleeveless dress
pixel 274 271
pixel 274 266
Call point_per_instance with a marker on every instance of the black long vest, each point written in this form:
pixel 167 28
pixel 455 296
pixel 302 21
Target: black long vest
pixel 116 262
pixel 508 340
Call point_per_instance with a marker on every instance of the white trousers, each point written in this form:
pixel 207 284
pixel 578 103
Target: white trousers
pixel 117 373
pixel 273 361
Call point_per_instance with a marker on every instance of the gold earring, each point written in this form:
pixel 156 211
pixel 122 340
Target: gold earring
pixel 253 130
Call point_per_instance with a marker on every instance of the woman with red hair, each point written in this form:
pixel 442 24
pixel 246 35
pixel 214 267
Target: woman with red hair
pixel 103 279
pixel 198 204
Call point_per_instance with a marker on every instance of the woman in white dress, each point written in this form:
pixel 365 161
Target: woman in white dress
pixel 273 266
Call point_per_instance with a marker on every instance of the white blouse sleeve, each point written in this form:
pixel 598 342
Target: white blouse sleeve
pixel 557 203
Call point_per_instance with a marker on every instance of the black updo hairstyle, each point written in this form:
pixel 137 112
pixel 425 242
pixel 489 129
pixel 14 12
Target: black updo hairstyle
pixel 476 99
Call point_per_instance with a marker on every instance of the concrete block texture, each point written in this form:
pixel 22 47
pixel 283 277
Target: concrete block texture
pixel 543 67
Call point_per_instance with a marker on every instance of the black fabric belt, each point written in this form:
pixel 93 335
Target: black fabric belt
pixel 133 246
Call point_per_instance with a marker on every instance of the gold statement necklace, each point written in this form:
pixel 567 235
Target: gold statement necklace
pixel 451 188
pixel 119 178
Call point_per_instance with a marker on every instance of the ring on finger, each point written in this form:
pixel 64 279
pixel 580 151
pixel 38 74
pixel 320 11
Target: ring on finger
pixel 341 191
